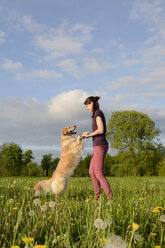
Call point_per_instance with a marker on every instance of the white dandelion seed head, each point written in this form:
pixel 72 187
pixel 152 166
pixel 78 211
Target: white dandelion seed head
pixel 11 200
pixel 31 213
pixel 99 223
pixel 115 241
pixel 108 223
pixel 138 237
pixel 52 204
pixel 162 218
pixel 37 201
pixel 37 193
pixel 43 208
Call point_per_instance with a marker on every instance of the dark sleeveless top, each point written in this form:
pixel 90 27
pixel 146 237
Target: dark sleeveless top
pixel 100 139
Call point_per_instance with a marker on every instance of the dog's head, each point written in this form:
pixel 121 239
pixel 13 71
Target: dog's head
pixel 69 130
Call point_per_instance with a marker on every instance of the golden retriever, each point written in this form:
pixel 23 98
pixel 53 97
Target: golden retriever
pixel 71 150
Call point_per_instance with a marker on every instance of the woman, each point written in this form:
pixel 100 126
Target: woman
pixel 100 147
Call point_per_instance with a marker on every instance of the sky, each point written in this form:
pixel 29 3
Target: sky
pixel 55 53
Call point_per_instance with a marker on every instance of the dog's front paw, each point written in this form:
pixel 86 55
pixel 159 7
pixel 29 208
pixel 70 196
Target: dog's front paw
pixel 85 133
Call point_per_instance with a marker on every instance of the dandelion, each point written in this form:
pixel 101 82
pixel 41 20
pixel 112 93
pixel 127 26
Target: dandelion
pixel 159 208
pixel 11 200
pixel 135 226
pixel 52 204
pixel 115 241
pixel 157 246
pixel 27 240
pixel 49 217
pixel 162 218
pixel 99 223
pixel 152 234
pixel 43 208
pixel 156 210
pixel 39 246
pixel 37 201
pixel 14 208
pixel 138 237
pixel 103 240
pixel 15 246
pixel 31 213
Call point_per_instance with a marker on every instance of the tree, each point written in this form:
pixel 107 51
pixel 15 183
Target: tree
pixel 46 163
pixel 54 164
pixel 13 159
pixel 31 169
pixel 131 130
pixel 135 137
pixel 27 157
pixel 82 169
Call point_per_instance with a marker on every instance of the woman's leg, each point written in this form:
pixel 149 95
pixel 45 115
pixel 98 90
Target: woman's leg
pixel 98 168
pixel 96 183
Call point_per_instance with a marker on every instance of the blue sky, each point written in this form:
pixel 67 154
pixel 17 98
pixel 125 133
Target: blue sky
pixel 54 53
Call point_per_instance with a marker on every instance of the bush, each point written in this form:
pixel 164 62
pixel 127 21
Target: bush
pixel 31 169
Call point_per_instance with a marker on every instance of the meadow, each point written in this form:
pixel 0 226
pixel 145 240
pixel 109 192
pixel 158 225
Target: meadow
pixel 135 217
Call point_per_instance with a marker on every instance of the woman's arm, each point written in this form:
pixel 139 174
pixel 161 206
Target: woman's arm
pixel 99 130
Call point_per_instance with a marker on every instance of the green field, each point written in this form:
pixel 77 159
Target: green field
pixel 78 220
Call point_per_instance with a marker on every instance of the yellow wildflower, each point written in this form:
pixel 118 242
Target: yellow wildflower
pixel 14 208
pixel 157 246
pixel 135 226
pixel 103 240
pixel 87 200
pixel 153 234
pixel 155 211
pixel 39 246
pixel 141 199
pixel 15 246
pixel 158 208
pixel 27 240
pixel 49 217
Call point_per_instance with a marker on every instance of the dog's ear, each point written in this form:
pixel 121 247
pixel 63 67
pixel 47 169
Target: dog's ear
pixel 65 131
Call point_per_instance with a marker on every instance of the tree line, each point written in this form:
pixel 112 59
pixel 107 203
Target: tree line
pixel 131 134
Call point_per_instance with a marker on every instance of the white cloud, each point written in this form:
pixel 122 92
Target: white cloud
pixel 45 74
pixel 69 105
pixel 83 31
pixel 153 95
pixel 151 13
pixel 31 122
pixel 60 46
pixel 93 65
pixel 125 82
pixel 11 65
pixel 25 23
pixel 70 66
pixel 85 66
pixel 2 37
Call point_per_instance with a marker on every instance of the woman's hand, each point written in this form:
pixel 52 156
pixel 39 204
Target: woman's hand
pixel 84 136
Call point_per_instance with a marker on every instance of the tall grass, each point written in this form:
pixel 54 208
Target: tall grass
pixel 70 221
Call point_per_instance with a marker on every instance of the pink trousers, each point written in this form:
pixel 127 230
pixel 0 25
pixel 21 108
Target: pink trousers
pixel 96 171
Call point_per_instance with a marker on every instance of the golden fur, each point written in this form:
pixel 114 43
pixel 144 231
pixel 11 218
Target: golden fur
pixel 71 150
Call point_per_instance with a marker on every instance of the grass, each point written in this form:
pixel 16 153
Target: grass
pixel 70 221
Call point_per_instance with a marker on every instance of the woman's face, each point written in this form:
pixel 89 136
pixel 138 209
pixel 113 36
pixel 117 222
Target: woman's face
pixel 89 107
